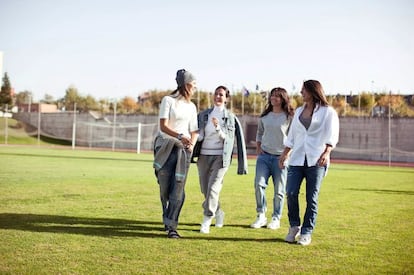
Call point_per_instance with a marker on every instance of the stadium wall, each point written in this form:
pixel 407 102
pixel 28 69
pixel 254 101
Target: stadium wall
pixel 363 138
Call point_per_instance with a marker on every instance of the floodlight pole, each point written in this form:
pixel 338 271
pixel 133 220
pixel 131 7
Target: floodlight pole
pixel 389 131
pixel 6 126
pixel 38 123
pixel 30 103
pixel 139 138
pixel 74 127
pixel 114 127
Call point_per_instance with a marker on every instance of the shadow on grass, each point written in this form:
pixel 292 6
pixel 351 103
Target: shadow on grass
pixel 73 157
pixel 384 191
pixel 102 227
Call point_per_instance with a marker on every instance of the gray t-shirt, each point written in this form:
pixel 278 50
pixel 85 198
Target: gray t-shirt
pixel 272 131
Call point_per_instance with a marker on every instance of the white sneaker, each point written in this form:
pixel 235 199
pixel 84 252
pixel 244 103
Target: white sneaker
pixel 205 225
pixel 260 221
pixel 293 233
pixel 305 239
pixel 220 219
pixel 274 224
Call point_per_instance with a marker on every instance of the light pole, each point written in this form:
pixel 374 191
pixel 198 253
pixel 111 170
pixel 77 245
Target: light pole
pixel 114 127
pixel 39 110
pixel 373 97
pixel 7 114
pixel 74 127
pixel 6 124
pixel 30 103
pixel 389 130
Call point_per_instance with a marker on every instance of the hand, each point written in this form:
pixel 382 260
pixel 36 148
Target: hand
pixel 186 141
pixel 215 121
pixel 323 159
pixel 282 161
pixel 190 148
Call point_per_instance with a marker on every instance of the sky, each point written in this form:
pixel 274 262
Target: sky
pixel 113 49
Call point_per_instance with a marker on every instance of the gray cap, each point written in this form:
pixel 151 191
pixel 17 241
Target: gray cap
pixel 183 77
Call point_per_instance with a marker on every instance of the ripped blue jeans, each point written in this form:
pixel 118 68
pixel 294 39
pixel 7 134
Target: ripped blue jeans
pixel 313 176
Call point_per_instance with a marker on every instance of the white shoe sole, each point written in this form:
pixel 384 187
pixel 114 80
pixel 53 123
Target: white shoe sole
pixel 260 225
pixel 205 231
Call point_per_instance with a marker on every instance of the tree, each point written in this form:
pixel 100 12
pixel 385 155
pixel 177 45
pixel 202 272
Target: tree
pixel 128 105
pixel 24 97
pixel 87 103
pixel 71 97
pixel 397 103
pixel 6 93
pixel 154 100
pixel 365 101
pixel 103 106
pixel 296 100
pixel 339 104
pixel 48 99
pixel 83 104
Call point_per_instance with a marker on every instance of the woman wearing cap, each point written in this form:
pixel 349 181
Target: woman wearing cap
pixel 312 136
pixel 173 146
pixel 219 129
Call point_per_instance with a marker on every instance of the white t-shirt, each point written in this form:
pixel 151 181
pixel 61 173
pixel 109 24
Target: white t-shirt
pixel 181 114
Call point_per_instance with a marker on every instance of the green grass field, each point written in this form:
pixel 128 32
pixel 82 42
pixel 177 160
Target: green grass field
pixel 94 212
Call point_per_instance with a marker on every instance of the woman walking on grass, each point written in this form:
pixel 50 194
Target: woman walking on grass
pixel 219 129
pixel 173 146
pixel 312 136
pixel 271 132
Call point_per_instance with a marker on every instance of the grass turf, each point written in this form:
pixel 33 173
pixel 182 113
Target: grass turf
pixel 91 212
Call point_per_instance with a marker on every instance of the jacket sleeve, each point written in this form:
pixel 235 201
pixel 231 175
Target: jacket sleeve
pixel 241 149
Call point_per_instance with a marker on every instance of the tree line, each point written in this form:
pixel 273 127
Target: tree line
pixel 363 104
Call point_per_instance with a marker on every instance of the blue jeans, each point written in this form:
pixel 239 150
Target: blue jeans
pixel 267 166
pixel 172 194
pixel 313 176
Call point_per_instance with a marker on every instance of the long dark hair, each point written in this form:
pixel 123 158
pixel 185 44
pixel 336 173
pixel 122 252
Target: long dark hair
pixel 182 91
pixel 286 107
pixel 314 87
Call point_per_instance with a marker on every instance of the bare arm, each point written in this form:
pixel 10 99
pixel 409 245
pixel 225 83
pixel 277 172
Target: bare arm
pixel 258 148
pixel 186 141
pixel 324 158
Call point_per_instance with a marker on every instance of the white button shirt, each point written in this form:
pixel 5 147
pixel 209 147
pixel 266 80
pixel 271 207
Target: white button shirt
pixel 324 129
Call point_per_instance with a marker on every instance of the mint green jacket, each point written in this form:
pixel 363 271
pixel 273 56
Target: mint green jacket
pixel 233 132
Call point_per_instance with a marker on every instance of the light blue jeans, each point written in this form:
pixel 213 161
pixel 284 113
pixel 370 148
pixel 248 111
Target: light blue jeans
pixel 267 166
pixel 313 176
pixel 172 194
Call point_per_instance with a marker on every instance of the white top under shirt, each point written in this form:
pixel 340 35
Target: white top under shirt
pixel 181 115
pixel 213 138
